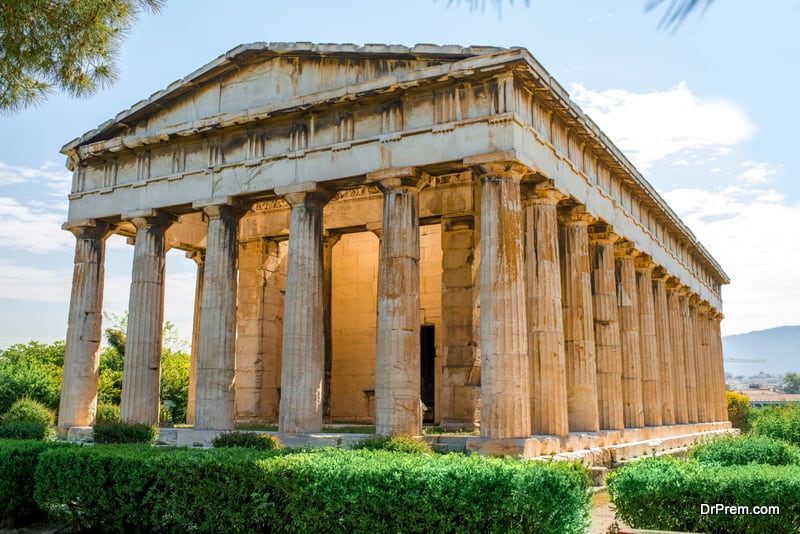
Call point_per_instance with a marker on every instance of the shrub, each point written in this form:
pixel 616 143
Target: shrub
pixel 247 440
pixel 738 410
pixel 107 413
pixel 379 491
pixel 405 444
pixel 18 460
pixel 120 432
pixel 669 494
pixel 779 422
pixel 34 431
pixel 747 449
pixel 27 410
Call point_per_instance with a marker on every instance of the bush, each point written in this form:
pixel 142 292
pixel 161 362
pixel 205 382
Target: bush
pixel 34 431
pixel 738 410
pixel 247 440
pixel 747 449
pixel 145 489
pixel 107 413
pixel 32 370
pixel 119 432
pixel 405 444
pixel 379 491
pixel 779 422
pixel 669 494
pixel 27 410
pixel 18 460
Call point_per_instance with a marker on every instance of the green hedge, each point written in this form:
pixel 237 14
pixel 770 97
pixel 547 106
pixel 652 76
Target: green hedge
pixel 670 494
pixel 779 422
pixel 122 432
pixel 747 449
pixel 18 460
pixel 34 431
pixel 141 489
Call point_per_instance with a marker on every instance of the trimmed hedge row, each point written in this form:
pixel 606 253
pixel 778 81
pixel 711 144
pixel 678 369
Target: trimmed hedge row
pixel 747 449
pixel 671 494
pixel 141 489
pixel 18 460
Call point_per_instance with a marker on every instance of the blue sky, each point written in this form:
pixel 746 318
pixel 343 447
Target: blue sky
pixel 708 114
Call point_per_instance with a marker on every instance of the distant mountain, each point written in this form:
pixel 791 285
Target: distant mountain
pixel 780 347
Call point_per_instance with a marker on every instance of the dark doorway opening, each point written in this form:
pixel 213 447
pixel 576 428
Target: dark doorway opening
pixel 427 357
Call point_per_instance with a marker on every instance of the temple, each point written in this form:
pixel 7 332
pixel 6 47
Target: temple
pixel 395 236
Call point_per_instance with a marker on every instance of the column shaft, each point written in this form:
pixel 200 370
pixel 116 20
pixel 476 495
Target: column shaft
pixel 303 358
pixel 721 402
pixel 199 258
pixel 628 302
pixel 664 344
pixel 606 328
pixel 549 414
pixel 648 346
pixel 85 329
pixel 576 292
pixel 505 383
pixel 705 378
pixel 327 263
pixel 397 366
pixel 141 400
pixel 216 360
pixel 678 356
pixel 689 357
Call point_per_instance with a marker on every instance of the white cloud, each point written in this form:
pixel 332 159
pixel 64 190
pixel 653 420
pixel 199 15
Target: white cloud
pixel 33 227
pixel 756 173
pixel 55 176
pixel 754 235
pixel 26 282
pixel 651 126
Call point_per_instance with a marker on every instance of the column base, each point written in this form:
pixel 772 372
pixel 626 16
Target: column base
pixel 525 447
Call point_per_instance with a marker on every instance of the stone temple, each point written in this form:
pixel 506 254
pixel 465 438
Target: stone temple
pixel 395 236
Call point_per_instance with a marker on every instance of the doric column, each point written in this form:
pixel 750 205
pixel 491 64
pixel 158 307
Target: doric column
pixel 303 357
pixel 141 400
pixel 328 243
pixel 216 360
pixel 648 346
pixel 705 376
pixel 664 346
pixel 505 382
pixel 549 414
pixel 576 292
pixel 678 356
pixel 85 329
pixel 720 401
pixel 628 302
pixel 460 396
pixel 397 355
pixel 606 326
pixel 199 257
pixel 689 354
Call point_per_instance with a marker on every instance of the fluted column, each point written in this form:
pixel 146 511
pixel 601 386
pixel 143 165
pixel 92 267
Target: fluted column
pixel 141 400
pixel 648 346
pixel 216 360
pixel 576 292
pixel 303 356
pixel 505 382
pixel 664 346
pixel 628 302
pixel 329 242
pixel 460 389
pixel 689 355
pixel 549 414
pixel 199 257
pixel 705 377
pixel 606 326
pixel 85 328
pixel 397 371
pixel 678 356
pixel 720 401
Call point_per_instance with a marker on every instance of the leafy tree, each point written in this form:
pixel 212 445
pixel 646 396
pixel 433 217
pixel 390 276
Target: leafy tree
pixel 31 370
pixel 70 45
pixel 738 410
pixel 791 383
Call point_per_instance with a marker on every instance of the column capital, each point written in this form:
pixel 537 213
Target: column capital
pixel 458 222
pixel 497 164
pixel 660 274
pixel 398 178
pixel 88 228
pixel 198 256
pixel 219 206
pixel 541 192
pixel 574 214
pixel 147 218
pixel 329 239
pixel 309 193
pixel 644 262
pixel 602 231
pixel 625 249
